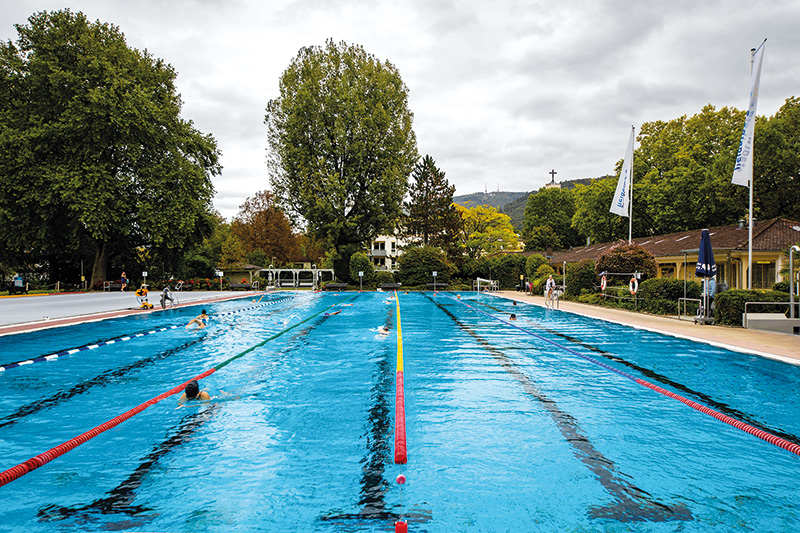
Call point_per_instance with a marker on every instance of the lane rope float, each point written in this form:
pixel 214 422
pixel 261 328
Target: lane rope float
pixel 400 443
pixel 33 463
pixel 738 424
pixel 62 353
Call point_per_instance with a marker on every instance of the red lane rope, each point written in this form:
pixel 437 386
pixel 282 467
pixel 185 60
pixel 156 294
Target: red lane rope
pixel 43 458
pixel 400 444
pixel 738 424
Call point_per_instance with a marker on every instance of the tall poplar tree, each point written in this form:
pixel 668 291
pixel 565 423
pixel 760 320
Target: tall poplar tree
pixel 341 145
pixel 92 146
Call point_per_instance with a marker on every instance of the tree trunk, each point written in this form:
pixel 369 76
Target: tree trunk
pixel 100 263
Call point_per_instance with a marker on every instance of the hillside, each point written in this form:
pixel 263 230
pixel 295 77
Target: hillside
pixel 516 208
pixel 496 199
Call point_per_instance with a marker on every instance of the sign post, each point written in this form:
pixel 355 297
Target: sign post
pixel 361 280
pixel 220 274
pixel 434 280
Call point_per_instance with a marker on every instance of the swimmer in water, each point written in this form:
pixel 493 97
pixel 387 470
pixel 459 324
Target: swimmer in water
pixel 193 392
pixel 201 320
pixel 513 316
pixel 383 330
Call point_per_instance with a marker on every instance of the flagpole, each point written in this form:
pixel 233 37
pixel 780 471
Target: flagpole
pixel 750 216
pixel 630 203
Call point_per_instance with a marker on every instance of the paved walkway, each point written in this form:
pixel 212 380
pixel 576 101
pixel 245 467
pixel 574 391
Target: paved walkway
pixel 32 312
pixel 767 344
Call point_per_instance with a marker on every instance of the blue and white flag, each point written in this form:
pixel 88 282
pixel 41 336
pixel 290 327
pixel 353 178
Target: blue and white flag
pixel 620 205
pixel 743 171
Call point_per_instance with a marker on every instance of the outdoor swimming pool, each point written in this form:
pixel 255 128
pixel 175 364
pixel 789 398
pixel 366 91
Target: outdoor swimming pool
pixel 507 431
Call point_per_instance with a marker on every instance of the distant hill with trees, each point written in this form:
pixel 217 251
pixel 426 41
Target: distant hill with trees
pixel 516 208
pixel 496 199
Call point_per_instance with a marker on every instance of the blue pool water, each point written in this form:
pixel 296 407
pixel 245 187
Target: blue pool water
pixel 506 432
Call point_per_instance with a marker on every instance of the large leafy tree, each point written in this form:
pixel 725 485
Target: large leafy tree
pixel 93 148
pixel 776 170
pixel 341 144
pixel 430 214
pixel 592 216
pixel 486 231
pixel 553 208
pixel 260 225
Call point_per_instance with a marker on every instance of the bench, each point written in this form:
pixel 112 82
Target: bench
pixel 234 286
pixel 112 285
pixel 17 287
pixel 336 287
pixel 437 286
pixel 390 286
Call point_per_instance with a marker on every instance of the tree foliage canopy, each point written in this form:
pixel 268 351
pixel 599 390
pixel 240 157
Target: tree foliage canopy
pixel 431 217
pixel 260 225
pixel 341 144
pixel 553 208
pixel 92 145
pixel 486 231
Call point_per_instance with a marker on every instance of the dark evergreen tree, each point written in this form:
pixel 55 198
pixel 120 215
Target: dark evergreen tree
pixel 431 218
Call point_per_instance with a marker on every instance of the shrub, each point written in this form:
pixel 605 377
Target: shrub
pixel 383 276
pixel 532 263
pixel 417 264
pixel 781 286
pixel 359 262
pixel 661 295
pixel 580 277
pixel 730 304
pixel 627 258
pixel 508 268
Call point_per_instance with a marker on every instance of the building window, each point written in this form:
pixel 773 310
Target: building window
pixel 764 275
pixel 668 270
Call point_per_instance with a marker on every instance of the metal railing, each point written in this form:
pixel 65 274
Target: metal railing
pixel 685 301
pixel 744 316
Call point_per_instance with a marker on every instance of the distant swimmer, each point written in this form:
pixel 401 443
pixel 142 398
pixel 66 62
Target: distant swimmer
pixel 193 392
pixel 383 330
pixel 334 313
pixel 201 320
pixel 513 316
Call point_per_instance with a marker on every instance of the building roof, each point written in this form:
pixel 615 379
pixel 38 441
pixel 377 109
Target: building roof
pixel 768 235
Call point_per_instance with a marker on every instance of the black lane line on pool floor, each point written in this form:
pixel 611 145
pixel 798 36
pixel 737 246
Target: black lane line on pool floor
pixel 655 376
pixel 121 499
pixel 84 386
pixel 633 504
pixel 374 485
pixel 103 379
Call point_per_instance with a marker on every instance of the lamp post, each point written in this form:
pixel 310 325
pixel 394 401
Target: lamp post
pixel 434 280
pixel 361 280
pixel 219 275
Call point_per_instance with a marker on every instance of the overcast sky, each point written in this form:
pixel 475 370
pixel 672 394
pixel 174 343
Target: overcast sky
pixel 502 91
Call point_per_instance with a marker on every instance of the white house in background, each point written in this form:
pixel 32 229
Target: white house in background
pixel 384 250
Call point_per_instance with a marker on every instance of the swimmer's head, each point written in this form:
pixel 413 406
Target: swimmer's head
pixel 192 390
pixel 513 316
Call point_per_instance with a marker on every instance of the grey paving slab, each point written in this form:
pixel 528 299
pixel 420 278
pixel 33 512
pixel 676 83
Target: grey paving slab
pixel 35 308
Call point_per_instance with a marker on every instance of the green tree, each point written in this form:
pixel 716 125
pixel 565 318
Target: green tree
pixel 430 213
pixel 776 165
pixel 417 264
pixel 554 208
pixel 486 231
pixel 341 144
pixel 624 258
pixel 592 216
pixel 359 262
pixel 93 148
pixel 580 276
pixel 261 225
pixel 533 263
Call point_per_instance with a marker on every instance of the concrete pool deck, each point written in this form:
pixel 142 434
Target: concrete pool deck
pixel 777 346
pixel 31 312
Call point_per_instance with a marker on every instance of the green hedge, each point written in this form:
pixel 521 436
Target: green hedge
pixel 730 304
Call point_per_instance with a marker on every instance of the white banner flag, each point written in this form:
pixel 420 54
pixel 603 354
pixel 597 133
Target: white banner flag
pixel 743 171
pixel 621 202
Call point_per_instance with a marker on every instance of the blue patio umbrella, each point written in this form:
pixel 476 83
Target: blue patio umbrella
pixel 706 267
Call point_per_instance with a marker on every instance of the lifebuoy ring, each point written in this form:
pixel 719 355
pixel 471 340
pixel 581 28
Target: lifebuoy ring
pixel 141 292
pixel 603 284
pixel 633 286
